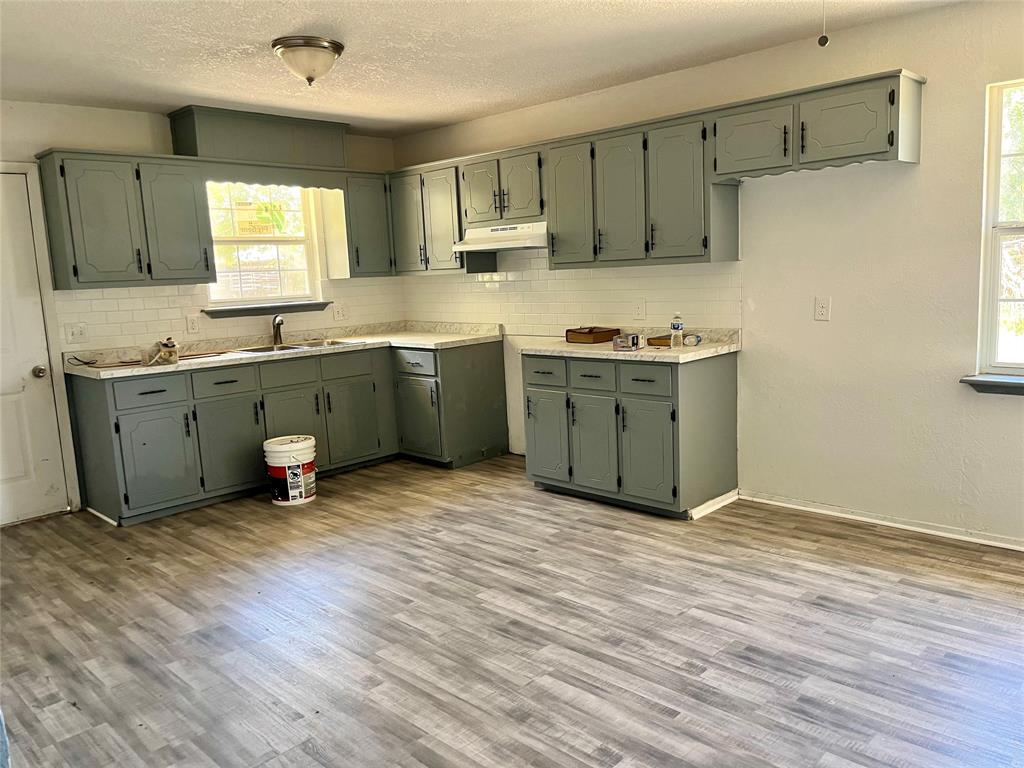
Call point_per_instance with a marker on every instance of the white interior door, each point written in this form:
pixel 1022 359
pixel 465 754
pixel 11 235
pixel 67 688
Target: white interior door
pixel 32 480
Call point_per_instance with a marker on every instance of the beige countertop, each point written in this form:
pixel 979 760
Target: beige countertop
pixel 561 348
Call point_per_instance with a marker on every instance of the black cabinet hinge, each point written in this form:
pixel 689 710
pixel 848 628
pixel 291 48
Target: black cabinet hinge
pixel 645 143
pixel 542 205
pixel 674 492
pixel 540 163
pixel 378 442
pixel 126 499
pixel 374 383
pixel 704 242
pixel 892 96
pixel 567 403
pixel 618 481
pixel 892 138
pixel 422 183
pixel 714 164
pixel 593 154
pixel 117 427
pixel 194 417
pixel 463 175
pixel 714 129
pixel 673 416
pixel 616 409
pixel 62 170
pixel 647 246
pixel 74 270
pixel 570 470
pixel 595 249
pixel 262 407
pixel 202 482
pixel 138 175
pixel 149 268
pixel 703 133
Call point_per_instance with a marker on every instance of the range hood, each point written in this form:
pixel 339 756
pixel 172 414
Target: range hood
pixel 504 237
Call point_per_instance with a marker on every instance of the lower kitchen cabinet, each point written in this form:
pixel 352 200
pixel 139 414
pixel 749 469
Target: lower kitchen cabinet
pixel 231 435
pixel 161 460
pixel 654 436
pixel 296 411
pixel 419 423
pixel 352 428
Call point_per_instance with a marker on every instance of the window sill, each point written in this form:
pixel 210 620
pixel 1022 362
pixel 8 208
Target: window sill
pixel 995 383
pixel 252 310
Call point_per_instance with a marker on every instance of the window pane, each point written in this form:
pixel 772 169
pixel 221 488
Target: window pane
pixel 294 284
pixel 1013 120
pixel 1011 189
pixel 226 287
pixel 1011 269
pixel 261 285
pixel 220 223
pixel 292 256
pixel 1011 332
pixel 257 257
pixel 289 198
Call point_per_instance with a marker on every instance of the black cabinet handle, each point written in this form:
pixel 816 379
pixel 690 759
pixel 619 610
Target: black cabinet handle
pixel 529 413
pixel 803 133
pixel 138 258
pixel 545 373
pixel 423 255
pixel 785 140
pixel 497 202
pixel 572 411
pixel 328 396
pixel 652 236
pixel 225 381
pixel 645 381
pixel 256 411
pixel 188 430
pixel 316 402
pixel 433 400
pixel 206 259
pixel 622 411
pixel 357 255
pixel 152 391
pixel 415 364
pixel 552 243
pixel 504 200
pixel 600 245
pixel 590 376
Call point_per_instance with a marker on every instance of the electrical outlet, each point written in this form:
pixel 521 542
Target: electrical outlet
pixel 823 308
pixel 76 333
pixel 640 309
pixel 192 324
pixel 339 312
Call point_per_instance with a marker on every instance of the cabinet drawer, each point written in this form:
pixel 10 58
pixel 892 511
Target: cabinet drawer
pixel 645 379
pixel 346 364
pixel 544 370
pixel 289 372
pixel 588 374
pixel 225 381
pixel 415 361
pixel 155 390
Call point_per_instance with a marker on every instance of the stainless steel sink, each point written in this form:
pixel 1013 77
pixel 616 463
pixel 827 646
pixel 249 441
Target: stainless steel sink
pixel 270 348
pixel 326 343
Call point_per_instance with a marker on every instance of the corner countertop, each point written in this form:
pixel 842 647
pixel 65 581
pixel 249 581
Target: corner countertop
pixel 562 348
pixel 402 339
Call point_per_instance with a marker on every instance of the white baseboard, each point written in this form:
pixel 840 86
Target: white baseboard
pixel 710 506
pixel 947 532
pixel 101 516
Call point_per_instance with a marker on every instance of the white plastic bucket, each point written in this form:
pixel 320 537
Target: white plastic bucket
pixel 291 466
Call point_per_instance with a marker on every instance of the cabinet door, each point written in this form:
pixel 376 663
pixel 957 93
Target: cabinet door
pixel 619 198
pixel 480 192
pixel 298 411
pixel 595 443
pixel 547 434
pixel 158 449
pixel 106 220
pixel 675 183
pixel 754 141
pixel 441 217
pixel 419 423
pixel 177 222
pixel 231 438
pixel 648 461
pixel 520 186
pixel 571 204
pixel 369 238
pixel 407 220
pixel 351 419
pixel 846 122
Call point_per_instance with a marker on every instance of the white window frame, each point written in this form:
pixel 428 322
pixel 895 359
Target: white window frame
pixel 993 229
pixel 312 240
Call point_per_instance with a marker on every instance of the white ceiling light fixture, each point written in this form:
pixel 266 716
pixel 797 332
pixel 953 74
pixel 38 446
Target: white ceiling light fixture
pixel 308 57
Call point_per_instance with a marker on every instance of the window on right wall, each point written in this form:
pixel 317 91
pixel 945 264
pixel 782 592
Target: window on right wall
pixel 1002 311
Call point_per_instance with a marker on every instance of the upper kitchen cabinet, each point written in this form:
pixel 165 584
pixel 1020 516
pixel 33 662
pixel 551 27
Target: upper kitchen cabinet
pixel 407 223
pixel 846 122
pixel 368 230
pixel 441 218
pixel 118 221
pixel 177 222
pixel 675 189
pixel 619 198
pixel 506 188
pixel 754 140
pixel 570 178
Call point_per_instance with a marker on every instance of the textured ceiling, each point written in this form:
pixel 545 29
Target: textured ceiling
pixel 408 65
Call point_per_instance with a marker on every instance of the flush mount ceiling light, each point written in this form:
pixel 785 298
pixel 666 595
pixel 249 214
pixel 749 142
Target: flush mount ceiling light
pixel 306 56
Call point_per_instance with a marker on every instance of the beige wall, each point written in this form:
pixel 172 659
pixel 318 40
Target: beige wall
pixel 862 415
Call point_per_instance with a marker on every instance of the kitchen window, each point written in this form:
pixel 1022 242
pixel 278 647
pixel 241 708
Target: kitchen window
pixel 265 243
pixel 1002 310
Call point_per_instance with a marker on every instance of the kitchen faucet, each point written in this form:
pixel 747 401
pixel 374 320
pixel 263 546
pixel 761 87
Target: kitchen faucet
pixel 278 323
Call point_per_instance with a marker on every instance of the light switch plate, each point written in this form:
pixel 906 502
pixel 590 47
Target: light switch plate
pixel 339 312
pixel 640 309
pixel 823 308
pixel 76 333
pixel 192 324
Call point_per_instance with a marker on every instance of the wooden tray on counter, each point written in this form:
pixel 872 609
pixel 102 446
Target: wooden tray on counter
pixel 660 341
pixel 590 335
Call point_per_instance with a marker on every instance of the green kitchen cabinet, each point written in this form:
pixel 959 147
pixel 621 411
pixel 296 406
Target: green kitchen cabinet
pixel 519 191
pixel 755 140
pixel 368 229
pixel 177 217
pixel 352 429
pixel 419 423
pixel 675 187
pixel 570 177
pixel 159 451
pixel 480 192
pixel 104 210
pixel 593 424
pixel 619 198
pixel 648 458
pixel 297 411
pixel 441 218
pixel 547 434
pixel 231 434
pixel 845 122
pixel 407 223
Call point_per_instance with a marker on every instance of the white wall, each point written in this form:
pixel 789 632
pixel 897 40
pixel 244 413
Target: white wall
pixel 863 414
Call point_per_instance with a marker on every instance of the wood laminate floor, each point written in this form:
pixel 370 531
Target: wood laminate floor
pixel 416 617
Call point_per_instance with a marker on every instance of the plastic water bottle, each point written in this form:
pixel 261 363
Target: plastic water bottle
pixel 676 326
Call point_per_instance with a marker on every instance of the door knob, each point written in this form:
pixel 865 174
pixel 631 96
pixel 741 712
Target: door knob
pixel 39 371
